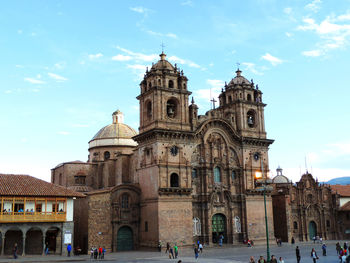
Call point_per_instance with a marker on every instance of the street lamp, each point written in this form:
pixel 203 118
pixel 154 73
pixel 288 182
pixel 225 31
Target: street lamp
pixel 258 177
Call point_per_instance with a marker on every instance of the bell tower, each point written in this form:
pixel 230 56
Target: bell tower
pixel 164 98
pixel 163 165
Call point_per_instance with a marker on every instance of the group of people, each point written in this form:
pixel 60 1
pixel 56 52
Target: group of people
pixel 97 253
pixel 197 249
pixel 343 252
pixel 172 251
pixel 263 260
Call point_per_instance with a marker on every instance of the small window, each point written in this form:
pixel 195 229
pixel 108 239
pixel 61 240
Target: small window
pixel 171 84
pixel 174 180
pixel 159 82
pixel 233 175
pixel 249 97
pixel 146 226
pixel 125 201
pixel 217 175
pixel 149 110
pixel 107 155
pixel 79 179
pixel 229 99
pixel 60 179
pixel 328 223
pixel 38 208
pixel 194 173
pixel 184 85
pixel 295 225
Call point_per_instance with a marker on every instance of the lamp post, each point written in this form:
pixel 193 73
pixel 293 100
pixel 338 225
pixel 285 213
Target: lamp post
pixel 259 175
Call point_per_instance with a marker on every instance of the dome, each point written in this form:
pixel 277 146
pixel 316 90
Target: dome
pixel 280 179
pixel 162 64
pixel 239 79
pixel 115 134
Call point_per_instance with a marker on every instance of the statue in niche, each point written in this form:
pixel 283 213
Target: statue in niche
pixel 238 224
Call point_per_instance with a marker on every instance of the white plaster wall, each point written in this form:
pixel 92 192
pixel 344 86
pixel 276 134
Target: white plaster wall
pixel 8 206
pixel 344 200
pixel 70 209
pixel 30 206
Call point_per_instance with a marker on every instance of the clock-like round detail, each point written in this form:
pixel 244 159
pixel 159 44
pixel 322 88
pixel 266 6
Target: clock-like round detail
pixel 256 156
pixel 174 150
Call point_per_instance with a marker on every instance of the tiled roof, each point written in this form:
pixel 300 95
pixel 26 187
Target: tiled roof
pixel 345 207
pixel 25 185
pixel 342 190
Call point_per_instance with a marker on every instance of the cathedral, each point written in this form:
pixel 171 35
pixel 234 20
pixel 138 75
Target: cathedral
pixel 182 177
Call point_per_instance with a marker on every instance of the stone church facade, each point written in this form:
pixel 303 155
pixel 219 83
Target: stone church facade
pixel 184 177
pixel 304 210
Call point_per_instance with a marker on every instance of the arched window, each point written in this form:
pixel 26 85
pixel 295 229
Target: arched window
pixel 194 173
pixel 229 99
pixel 217 175
pixel 171 108
pixel 295 225
pixel 233 175
pixel 107 155
pixel 328 223
pixel 171 84
pixel 251 118
pixel 197 229
pixel 249 97
pixel 125 201
pixel 149 110
pixel 184 85
pixel 174 180
pixel 159 82
pixel 149 85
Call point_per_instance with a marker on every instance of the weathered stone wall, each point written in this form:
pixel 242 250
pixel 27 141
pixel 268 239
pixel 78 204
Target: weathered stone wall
pixel 99 220
pixel 81 209
pixel 256 217
pixel 149 214
pixel 280 217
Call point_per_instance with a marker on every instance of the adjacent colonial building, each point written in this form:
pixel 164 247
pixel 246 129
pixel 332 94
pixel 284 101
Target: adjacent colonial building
pixel 183 177
pixel 304 210
pixel 343 191
pixel 35 213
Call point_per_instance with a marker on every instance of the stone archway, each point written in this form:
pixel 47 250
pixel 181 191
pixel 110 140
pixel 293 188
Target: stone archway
pixel 34 242
pixel 53 239
pixel 218 228
pixel 312 230
pixel 12 237
pixel 125 239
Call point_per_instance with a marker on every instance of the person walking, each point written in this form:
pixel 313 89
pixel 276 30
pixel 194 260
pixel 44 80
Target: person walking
pixel 281 260
pixel 324 250
pixel 297 253
pixel 176 250
pixel 273 259
pixel 195 252
pixel 167 248
pixel 99 252
pixel 91 253
pixel 171 253
pixel 261 260
pixel 15 249
pixel 200 247
pixel 46 248
pixel 69 249
pixel 103 253
pixel 314 255
pixel 251 259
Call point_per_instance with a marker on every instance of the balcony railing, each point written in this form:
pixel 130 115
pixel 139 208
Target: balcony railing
pixel 14 217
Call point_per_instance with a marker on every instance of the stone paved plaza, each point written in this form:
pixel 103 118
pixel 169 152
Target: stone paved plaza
pixel 213 254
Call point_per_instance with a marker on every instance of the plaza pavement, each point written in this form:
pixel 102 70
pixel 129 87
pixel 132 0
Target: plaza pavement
pixel 236 254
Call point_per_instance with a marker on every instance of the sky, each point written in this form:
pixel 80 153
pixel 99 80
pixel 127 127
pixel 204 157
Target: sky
pixel 66 66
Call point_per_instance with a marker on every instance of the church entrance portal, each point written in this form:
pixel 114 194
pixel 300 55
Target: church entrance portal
pixel 312 230
pixel 125 239
pixel 218 228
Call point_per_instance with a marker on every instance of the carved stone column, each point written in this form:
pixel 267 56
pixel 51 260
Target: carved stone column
pixel 3 245
pixel 24 244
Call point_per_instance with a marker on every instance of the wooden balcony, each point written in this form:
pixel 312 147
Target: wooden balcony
pixel 18 217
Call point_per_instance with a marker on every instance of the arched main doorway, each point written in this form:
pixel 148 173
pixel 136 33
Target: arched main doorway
pixel 312 230
pixel 34 241
pixel 52 234
pixel 218 227
pixel 125 239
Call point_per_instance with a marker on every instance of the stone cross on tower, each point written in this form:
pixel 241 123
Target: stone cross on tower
pixel 163 46
pixel 213 101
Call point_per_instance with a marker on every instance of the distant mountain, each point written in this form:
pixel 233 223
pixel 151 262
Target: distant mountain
pixel 340 180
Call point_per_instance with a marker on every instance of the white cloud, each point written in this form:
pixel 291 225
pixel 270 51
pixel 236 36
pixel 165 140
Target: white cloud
pixel 138 69
pixel 139 56
pixel 252 68
pixel 314 6
pixel 190 63
pixel 60 65
pixel 57 77
pixel 19 66
pixel 34 81
pixel 171 35
pixel 289 34
pixel 77 125
pixel 8 91
pixel 212 92
pixel 273 60
pixel 19 31
pixel 332 34
pixel 95 56
pixel 312 53
pixel 141 10
pixel 120 57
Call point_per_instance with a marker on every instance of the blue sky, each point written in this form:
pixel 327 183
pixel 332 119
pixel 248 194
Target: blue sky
pixel 67 65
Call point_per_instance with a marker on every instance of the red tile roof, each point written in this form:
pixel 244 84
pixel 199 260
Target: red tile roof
pixel 345 207
pixel 25 185
pixel 342 190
